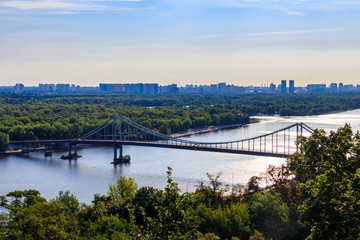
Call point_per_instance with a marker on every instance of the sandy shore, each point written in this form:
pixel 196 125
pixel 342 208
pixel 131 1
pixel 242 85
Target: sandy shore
pixel 204 130
pixel 17 150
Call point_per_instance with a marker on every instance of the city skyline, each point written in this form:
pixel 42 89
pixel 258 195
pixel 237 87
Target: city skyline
pixel 155 88
pixel 241 42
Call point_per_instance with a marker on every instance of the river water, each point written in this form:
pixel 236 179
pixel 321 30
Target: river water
pixel 92 173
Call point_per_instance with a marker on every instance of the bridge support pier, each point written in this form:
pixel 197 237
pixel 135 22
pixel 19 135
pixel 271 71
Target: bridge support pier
pixel 25 149
pixel 116 148
pixel 48 151
pixel 71 155
pixel 120 159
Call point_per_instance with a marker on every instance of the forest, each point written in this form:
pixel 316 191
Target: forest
pixel 315 195
pixel 55 116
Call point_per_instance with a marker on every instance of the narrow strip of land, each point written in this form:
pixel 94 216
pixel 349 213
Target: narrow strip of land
pixel 192 131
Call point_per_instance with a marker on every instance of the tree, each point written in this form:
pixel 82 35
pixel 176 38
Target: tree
pixel 17 132
pixel 328 168
pixel 269 214
pixel 280 180
pixel 124 190
pixel 4 140
pixel 29 216
pixel 173 220
pixel 228 222
pixel 212 195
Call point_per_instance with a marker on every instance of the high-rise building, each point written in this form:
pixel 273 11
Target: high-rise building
pixel 283 86
pixel 62 88
pixel 341 87
pixel 316 88
pixel 291 86
pixel 151 88
pixel 272 88
pixel 349 87
pixel 333 87
pixel 173 88
pixel 221 87
pixel 19 87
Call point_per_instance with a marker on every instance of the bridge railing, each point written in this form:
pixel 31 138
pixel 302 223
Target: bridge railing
pixel 270 142
pixel 121 129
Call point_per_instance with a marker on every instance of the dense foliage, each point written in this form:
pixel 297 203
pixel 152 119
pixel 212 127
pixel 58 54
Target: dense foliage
pixel 69 116
pixel 39 119
pixel 4 140
pixel 314 196
pixel 328 169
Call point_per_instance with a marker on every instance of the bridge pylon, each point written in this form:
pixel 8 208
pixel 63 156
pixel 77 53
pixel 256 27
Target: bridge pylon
pixel 48 151
pixel 118 148
pixel 25 149
pixel 72 154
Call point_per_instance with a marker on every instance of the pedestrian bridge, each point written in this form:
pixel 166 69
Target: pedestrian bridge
pixel 119 131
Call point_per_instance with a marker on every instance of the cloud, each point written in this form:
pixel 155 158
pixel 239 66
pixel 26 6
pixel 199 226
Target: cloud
pixel 282 5
pixel 64 13
pixel 270 33
pixel 76 5
pixel 295 13
pixel 26 5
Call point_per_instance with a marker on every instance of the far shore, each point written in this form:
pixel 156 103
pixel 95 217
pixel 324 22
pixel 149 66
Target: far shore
pixel 192 131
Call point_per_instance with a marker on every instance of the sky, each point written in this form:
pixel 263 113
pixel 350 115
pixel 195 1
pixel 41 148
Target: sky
pixel 241 42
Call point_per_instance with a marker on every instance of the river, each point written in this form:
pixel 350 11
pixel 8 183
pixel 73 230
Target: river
pixel 92 173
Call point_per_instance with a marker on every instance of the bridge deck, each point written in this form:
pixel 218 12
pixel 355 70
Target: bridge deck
pixel 123 131
pixel 160 144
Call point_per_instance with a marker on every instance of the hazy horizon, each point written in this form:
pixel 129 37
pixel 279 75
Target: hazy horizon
pixel 240 42
pixel 179 85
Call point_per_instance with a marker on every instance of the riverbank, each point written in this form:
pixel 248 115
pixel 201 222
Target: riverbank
pixel 17 150
pixel 210 128
pixel 192 131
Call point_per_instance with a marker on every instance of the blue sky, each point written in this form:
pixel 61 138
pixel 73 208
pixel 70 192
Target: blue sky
pixel 242 42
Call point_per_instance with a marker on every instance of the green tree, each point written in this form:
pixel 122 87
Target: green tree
pixel 173 220
pixel 228 222
pixel 17 132
pixel 4 140
pixel 328 167
pixel 124 190
pixel 29 216
pixel 212 195
pixel 269 215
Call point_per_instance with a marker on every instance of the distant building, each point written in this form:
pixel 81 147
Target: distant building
pixel 133 88
pixel 213 88
pixel 349 87
pixel 154 88
pixel 173 88
pixel 151 88
pixel 62 88
pixel 272 88
pixel 19 88
pixel 283 86
pixel 291 86
pixel 341 87
pixel 333 87
pixel 137 88
pixel 222 87
pixel 314 88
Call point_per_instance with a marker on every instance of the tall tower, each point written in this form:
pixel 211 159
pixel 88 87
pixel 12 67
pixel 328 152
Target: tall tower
pixel 291 86
pixel 283 86
pixel 341 87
